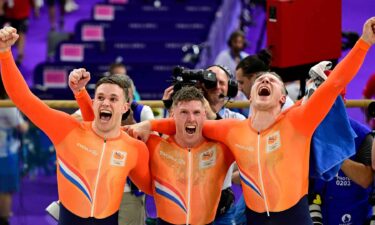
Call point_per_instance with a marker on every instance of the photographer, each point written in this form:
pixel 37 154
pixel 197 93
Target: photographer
pixel 344 200
pixel 216 95
pixel 218 86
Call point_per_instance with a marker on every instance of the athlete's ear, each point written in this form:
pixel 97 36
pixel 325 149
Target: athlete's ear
pixel 125 108
pixel 283 99
pixel 171 112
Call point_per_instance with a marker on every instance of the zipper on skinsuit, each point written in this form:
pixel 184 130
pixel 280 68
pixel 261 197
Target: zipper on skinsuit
pixel 97 179
pixel 261 178
pixel 189 187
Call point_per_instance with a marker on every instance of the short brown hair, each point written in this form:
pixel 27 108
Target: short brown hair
pixel 186 94
pixel 115 79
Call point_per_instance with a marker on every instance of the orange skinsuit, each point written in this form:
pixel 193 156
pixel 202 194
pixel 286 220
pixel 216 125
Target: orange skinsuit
pixel 274 163
pixel 187 182
pixel 91 170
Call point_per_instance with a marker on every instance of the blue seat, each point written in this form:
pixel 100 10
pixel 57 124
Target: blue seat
pixel 141 31
pixel 146 13
pixel 130 52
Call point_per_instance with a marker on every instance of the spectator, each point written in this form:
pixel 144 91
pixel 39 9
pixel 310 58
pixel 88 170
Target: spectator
pixel 51 4
pixel 17 13
pixel 232 56
pixel 345 198
pixel 119 68
pixel 70 6
pixel 10 119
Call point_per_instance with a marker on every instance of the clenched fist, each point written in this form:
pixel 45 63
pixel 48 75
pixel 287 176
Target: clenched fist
pixel 368 33
pixel 78 79
pixel 8 36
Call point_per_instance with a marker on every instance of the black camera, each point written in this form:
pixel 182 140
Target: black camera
pixel 186 77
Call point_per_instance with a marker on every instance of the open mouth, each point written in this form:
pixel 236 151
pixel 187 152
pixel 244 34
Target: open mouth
pixel 264 91
pixel 105 115
pixel 190 129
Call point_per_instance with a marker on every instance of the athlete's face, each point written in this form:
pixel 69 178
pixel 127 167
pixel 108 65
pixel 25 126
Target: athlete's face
pixel 109 105
pixel 189 117
pixel 215 96
pixel 267 92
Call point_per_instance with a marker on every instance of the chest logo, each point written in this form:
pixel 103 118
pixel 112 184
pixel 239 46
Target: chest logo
pixel 118 158
pixel 207 158
pixel 273 141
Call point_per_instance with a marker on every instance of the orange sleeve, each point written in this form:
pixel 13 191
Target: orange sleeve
pixel 218 129
pixel 308 116
pixel 140 174
pixel 164 126
pixel 47 119
pixel 85 105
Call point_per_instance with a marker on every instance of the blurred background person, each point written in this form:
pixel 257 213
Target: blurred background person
pixel 17 13
pixel 11 122
pixel 52 4
pixel 235 53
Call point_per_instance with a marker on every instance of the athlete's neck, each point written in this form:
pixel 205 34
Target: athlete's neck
pixel 262 119
pixel 186 143
pixel 113 133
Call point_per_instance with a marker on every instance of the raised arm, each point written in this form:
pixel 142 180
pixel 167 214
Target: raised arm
pixel 323 98
pixel 47 119
pixel 78 79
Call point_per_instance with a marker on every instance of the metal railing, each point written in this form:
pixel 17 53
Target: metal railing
pixel 362 103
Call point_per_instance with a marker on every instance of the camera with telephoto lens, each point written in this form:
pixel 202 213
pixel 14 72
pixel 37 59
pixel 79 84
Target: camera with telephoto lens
pixel 186 77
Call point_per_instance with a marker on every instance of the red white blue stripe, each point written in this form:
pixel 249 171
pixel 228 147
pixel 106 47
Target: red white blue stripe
pixel 169 192
pixel 250 182
pixel 75 178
